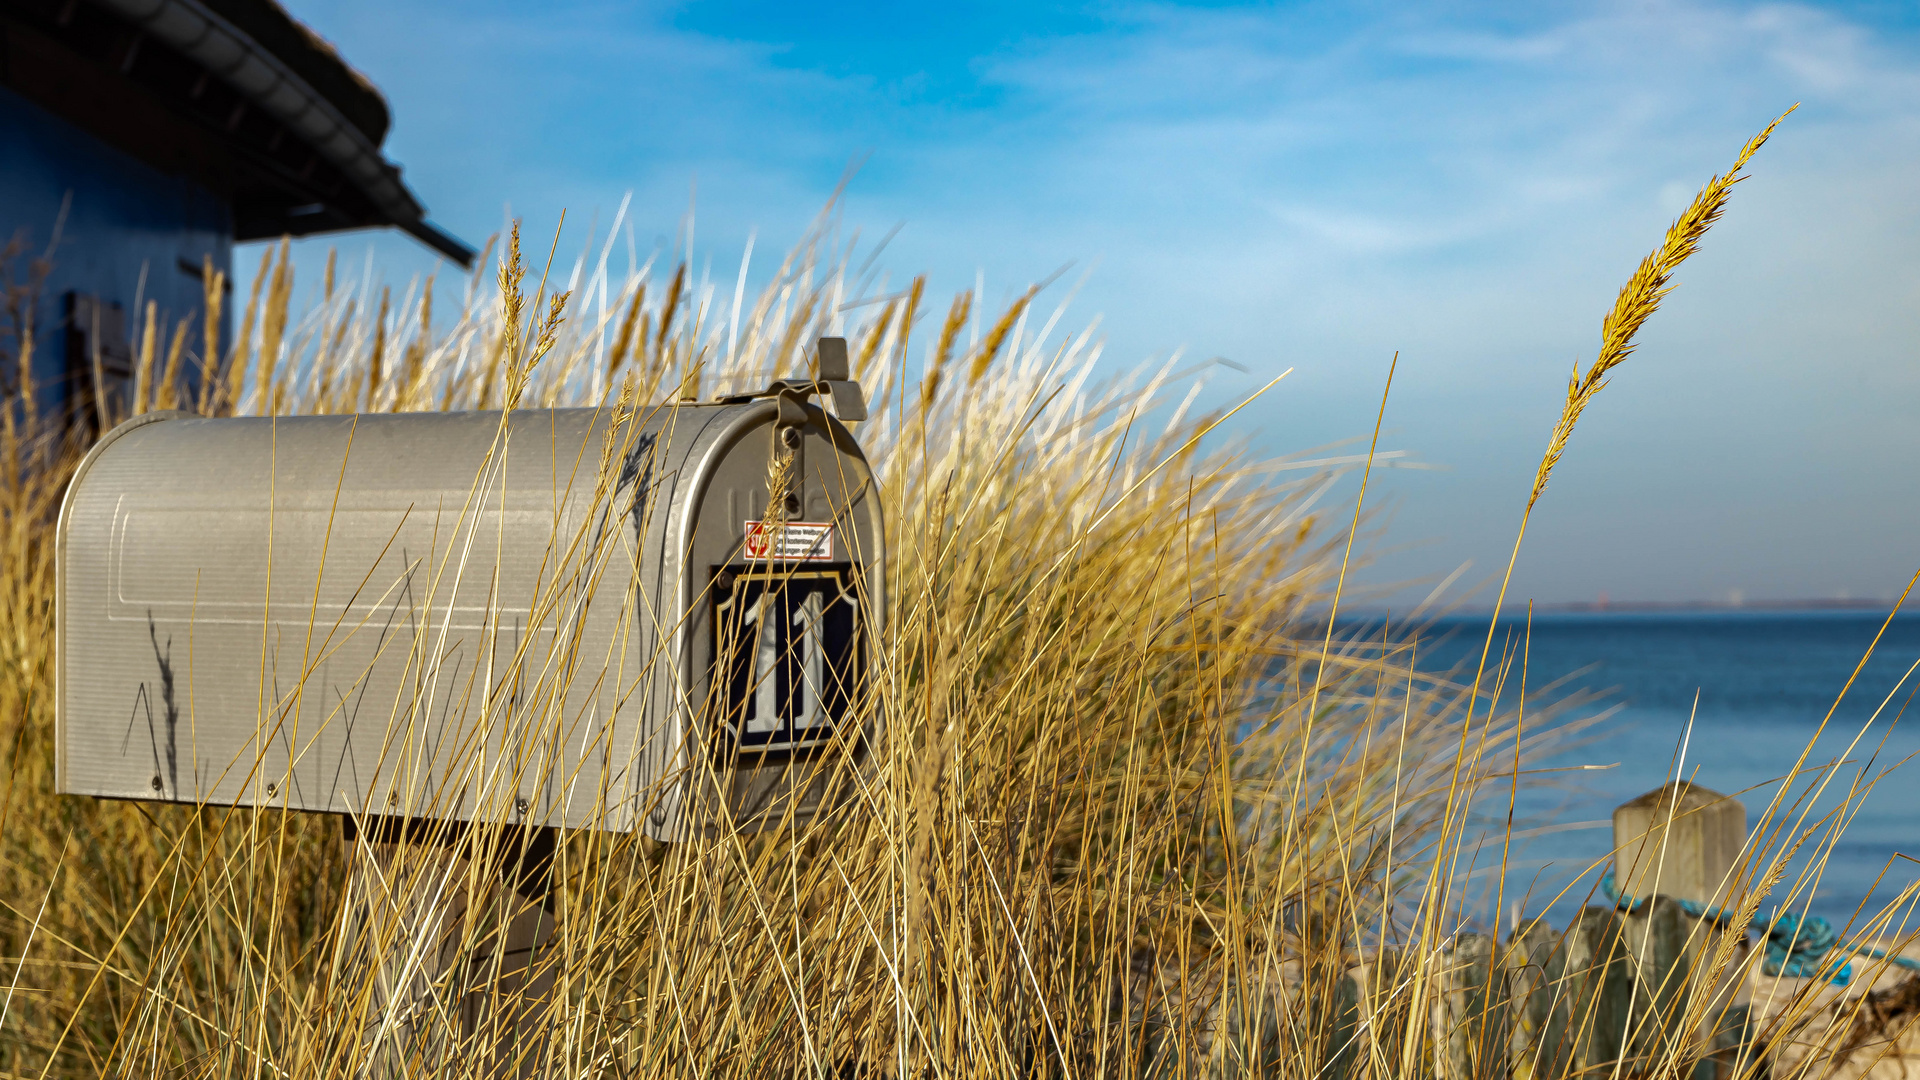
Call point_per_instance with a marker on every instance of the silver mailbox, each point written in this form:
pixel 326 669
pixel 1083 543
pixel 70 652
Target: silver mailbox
pixel 556 618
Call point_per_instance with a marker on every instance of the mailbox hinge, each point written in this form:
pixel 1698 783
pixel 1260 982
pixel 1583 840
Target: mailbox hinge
pixel 833 379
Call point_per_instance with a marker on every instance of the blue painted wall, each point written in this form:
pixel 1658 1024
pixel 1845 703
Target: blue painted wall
pixel 127 227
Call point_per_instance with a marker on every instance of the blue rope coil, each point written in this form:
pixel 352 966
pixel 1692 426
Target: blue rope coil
pixel 1797 945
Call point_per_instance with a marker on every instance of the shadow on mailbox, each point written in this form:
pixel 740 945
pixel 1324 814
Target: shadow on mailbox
pixel 661 620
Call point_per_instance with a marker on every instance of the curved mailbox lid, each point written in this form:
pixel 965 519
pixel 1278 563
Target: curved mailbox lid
pixel 407 614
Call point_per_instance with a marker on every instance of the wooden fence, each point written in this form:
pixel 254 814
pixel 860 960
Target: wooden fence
pixel 1665 972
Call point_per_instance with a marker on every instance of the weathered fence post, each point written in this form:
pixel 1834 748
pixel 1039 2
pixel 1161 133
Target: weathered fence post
pixel 1596 983
pixel 1389 1040
pixel 1682 842
pixel 1470 1010
pixel 1535 966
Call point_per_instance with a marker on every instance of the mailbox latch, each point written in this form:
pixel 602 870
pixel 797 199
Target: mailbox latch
pixel 833 379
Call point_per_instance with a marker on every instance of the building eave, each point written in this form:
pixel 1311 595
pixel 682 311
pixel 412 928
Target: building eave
pixel 269 84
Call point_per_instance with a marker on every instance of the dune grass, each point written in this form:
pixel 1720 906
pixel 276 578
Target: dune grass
pixel 1140 810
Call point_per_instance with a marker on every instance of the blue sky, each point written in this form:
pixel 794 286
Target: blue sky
pixel 1311 186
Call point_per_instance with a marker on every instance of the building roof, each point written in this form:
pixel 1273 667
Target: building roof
pixel 235 94
pixel 311 57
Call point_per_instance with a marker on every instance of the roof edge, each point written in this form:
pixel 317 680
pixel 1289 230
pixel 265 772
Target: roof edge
pixel 265 80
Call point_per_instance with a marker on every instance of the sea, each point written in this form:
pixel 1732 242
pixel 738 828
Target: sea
pixel 1728 699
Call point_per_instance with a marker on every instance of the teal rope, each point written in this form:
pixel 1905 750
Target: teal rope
pixel 1797 945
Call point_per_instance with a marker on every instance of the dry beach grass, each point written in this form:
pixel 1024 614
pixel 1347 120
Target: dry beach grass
pixel 1139 811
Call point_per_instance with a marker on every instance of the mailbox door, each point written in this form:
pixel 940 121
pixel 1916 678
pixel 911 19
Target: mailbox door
pixel 782 594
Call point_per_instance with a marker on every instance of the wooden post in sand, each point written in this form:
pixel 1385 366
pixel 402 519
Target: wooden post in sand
pixel 1682 842
pixel 453 935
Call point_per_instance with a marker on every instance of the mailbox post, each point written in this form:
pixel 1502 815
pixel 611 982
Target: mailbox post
pixel 660 622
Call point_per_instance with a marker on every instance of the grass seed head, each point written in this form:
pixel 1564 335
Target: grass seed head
pixel 1640 297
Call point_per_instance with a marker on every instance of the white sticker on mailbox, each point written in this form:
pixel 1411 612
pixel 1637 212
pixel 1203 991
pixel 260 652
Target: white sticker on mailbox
pixel 793 541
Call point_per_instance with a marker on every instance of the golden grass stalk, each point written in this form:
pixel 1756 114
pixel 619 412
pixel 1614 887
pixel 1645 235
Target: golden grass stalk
pixel 329 361
pixel 674 290
pixel 416 357
pixel 243 342
pixel 870 343
pixel 214 284
pixel 997 336
pixel 168 396
pixel 943 351
pixel 628 324
pixel 273 327
pixel 144 362
pixel 512 308
pixel 1639 298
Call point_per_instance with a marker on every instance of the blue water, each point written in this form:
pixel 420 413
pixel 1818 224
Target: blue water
pixel 1756 685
